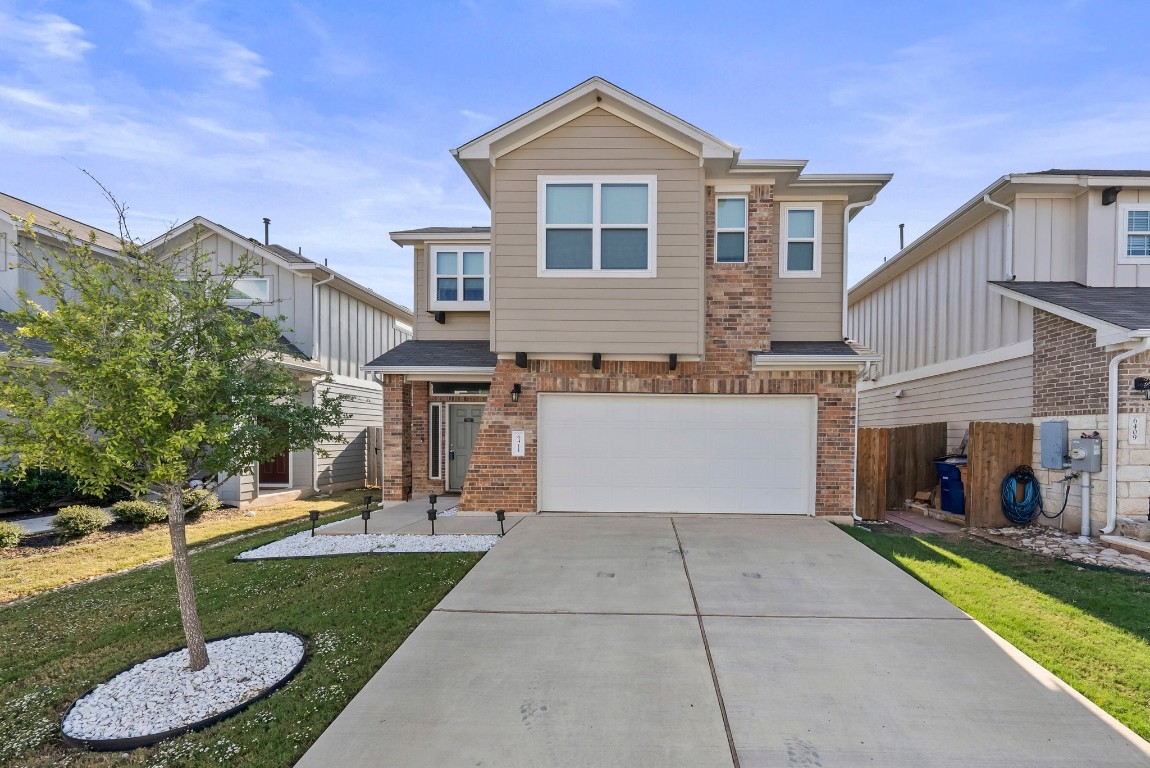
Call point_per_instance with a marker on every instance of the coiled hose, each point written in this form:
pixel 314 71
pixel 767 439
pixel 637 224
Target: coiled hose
pixel 1016 511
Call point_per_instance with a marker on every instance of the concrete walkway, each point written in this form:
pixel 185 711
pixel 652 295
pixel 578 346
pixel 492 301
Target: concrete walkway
pixel 36 524
pixel 697 642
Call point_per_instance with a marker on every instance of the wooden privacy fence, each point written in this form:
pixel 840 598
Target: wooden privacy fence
pixel 894 463
pixel 375 457
pixel 994 450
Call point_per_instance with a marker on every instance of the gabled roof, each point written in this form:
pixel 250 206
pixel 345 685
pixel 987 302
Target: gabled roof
pixel 720 159
pixel 14 206
pixel 443 356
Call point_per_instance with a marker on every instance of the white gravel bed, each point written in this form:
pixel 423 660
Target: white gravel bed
pixel 162 694
pixel 305 545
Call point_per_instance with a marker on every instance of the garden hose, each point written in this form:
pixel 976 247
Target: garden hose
pixel 1021 512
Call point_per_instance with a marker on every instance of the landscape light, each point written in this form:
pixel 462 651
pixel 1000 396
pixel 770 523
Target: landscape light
pixel 431 515
pixel 501 515
pixel 313 515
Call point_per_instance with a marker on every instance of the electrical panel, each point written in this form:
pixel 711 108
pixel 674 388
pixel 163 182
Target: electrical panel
pixel 1053 436
pixel 1086 454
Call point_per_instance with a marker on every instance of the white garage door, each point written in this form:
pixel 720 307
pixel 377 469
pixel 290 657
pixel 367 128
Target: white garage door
pixel 677 453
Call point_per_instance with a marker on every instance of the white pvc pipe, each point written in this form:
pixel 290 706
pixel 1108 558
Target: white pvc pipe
pixel 1112 436
pixel 1084 527
pixel 1008 254
pixel 846 228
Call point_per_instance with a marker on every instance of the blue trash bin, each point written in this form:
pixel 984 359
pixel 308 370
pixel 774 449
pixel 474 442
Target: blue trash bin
pixel 951 496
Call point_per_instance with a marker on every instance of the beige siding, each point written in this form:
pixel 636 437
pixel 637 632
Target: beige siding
pixel 942 308
pixel 610 315
pixel 237 490
pixel 1044 238
pixel 997 392
pixel 459 325
pixel 345 466
pixel 1103 268
pixel 810 309
pixel 352 333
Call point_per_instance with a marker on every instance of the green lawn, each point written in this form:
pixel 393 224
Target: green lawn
pixel 354 612
pixel 1090 627
pixel 30 570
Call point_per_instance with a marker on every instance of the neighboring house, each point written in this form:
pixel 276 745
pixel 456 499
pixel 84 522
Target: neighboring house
pixel 652 323
pixel 333 326
pixel 1014 308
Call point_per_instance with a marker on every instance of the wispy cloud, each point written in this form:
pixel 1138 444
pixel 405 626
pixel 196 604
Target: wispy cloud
pixel 43 35
pixel 178 30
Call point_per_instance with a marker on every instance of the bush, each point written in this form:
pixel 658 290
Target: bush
pixel 37 491
pixel 10 534
pixel 81 520
pixel 139 511
pixel 200 500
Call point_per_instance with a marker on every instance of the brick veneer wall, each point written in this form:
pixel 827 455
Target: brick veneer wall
pixel 1069 370
pixel 738 314
pixel 396 438
pixel 421 400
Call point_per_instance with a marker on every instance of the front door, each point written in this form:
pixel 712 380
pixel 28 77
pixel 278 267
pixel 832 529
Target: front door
pixel 276 471
pixel 461 432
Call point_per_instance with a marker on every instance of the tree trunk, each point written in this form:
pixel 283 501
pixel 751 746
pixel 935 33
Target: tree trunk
pixel 193 632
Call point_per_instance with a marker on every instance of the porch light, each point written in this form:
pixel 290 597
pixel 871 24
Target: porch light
pixel 1142 384
pixel 516 391
pixel 313 515
pixel 431 515
pixel 501 515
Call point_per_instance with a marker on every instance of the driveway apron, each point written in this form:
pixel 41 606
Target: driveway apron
pixel 697 642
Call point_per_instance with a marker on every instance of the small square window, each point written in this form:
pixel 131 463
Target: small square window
pixel 461 278
pixel 1136 222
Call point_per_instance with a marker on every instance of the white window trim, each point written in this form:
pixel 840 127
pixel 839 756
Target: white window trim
pixel 596 183
pixel 431 443
pixel 459 305
pixel 744 229
pixel 1123 210
pixel 785 238
pixel 268 300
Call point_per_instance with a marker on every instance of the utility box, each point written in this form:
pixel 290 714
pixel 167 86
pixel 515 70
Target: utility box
pixel 1086 454
pixel 1053 438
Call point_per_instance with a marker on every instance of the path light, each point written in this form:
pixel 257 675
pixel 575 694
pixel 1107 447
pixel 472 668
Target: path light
pixel 432 498
pixel 431 515
pixel 501 515
pixel 367 501
pixel 366 515
pixel 313 515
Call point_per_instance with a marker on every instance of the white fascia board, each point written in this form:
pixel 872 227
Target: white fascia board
pixel 244 242
pixel 1103 328
pixel 419 238
pixel 429 370
pixel 977 360
pixel 812 362
pixel 636 358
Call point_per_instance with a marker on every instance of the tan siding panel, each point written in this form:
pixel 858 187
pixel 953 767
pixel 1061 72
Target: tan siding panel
pixel 810 309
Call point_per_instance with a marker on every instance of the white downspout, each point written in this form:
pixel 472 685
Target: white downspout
pixel 1112 437
pixel 1008 255
pixel 847 210
pixel 315 356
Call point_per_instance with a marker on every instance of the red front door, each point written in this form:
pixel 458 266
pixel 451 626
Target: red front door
pixel 276 471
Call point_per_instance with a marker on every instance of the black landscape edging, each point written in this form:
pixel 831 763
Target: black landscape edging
pixel 135 742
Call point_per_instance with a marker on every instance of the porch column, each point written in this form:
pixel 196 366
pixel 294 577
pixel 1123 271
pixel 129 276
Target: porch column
pixel 396 438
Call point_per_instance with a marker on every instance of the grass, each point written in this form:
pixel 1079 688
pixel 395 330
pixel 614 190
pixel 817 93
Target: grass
pixel 354 611
pixel 30 570
pixel 1091 627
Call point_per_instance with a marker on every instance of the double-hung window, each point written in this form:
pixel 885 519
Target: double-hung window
pixel 730 228
pixel 1134 231
pixel 459 277
pixel 600 226
pixel 801 252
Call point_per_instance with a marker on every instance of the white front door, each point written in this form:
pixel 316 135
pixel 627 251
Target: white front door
pixel 677 453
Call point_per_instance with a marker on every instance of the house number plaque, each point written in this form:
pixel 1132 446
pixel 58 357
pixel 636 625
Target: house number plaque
pixel 518 442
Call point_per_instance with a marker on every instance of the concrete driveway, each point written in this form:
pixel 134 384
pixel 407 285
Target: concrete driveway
pixel 697 642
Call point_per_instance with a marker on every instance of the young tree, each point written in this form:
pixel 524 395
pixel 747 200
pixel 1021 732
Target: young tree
pixel 152 378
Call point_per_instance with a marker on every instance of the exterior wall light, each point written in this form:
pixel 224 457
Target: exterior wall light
pixel 1142 384
pixel 516 391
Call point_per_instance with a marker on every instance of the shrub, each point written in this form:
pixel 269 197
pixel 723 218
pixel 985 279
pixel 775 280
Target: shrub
pixel 10 534
pixel 200 500
pixel 37 491
pixel 139 511
pixel 80 520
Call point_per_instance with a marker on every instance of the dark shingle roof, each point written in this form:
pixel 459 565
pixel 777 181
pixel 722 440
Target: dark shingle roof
pixel 1078 172
pixel 437 354
pixel 36 346
pixel 1124 307
pixel 288 255
pixel 811 348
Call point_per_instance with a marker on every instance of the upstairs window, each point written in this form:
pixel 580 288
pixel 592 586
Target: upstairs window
pixel 730 228
pixel 602 226
pixel 250 290
pixel 459 278
pixel 1135 226
pixel 801 253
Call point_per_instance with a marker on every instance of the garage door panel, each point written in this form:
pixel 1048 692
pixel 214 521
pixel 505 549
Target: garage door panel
pixel 676 453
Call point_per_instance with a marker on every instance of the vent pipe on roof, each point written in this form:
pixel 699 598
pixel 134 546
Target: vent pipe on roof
pixel 901 237
pixel 267 226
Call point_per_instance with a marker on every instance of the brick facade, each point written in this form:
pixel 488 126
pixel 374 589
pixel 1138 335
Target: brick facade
pixel 737 323
pixel 396 438
pixel 1069 370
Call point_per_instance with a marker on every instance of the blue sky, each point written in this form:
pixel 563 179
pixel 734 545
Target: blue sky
pixel 335 119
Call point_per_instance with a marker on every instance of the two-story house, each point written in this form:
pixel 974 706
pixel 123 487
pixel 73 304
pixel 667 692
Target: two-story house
pixel 333 325
pixel 652 323
pixel 1030 303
